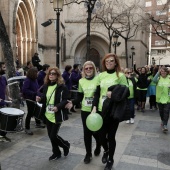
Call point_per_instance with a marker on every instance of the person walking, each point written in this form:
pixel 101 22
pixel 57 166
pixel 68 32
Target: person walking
pixel 163 96
pixel 110 76
pixel 29 90
pixel 131 99
pixel 3 93
pixel 86 89
pixel 75 77
pixel 142 85
pixel 54 99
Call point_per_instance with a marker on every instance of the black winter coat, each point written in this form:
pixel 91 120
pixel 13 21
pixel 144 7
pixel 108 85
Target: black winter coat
pixel 117 106
pixel 61 97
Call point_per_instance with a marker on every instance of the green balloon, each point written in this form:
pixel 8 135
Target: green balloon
pixel 94 122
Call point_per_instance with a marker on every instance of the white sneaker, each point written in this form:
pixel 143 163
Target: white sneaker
pixel 132 121
pixel 128 121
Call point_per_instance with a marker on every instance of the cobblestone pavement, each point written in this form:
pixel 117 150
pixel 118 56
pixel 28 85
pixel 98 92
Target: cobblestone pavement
pixel 140 146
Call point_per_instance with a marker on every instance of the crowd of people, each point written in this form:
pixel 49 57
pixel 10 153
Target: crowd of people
pixel 114 93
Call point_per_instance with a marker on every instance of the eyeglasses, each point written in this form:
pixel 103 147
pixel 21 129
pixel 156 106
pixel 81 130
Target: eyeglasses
pixel 52 73
pixel 111 60
pixel 88 68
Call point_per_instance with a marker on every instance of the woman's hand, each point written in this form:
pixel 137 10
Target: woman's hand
pixel 109 93
pixel 55 109
pixel 94 110
pixel 38 99
pixel 69 105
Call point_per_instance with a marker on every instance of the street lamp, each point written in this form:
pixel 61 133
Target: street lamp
pixel 133 53
pixel 58 7
pixel 115 43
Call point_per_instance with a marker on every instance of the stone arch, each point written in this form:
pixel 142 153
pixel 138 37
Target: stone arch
pixel 98 44
pixel 82 37
pixel 26 31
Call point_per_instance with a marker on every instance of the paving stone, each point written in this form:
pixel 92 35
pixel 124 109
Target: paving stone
pixel 127 166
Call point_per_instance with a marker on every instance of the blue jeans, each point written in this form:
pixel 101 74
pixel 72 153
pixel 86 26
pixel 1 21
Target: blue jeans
pixel 132 106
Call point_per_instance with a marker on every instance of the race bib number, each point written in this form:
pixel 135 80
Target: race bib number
pixel 103 98
pixel 49 108
pixel 88 101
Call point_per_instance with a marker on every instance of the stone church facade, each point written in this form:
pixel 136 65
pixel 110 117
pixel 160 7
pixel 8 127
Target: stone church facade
pixel 23 19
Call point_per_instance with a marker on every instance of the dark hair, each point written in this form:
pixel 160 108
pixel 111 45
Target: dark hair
pixel 68 67
pixel 45 66
pixel 32 73
pixel 117 64
pixel 28 62
pixel 75 66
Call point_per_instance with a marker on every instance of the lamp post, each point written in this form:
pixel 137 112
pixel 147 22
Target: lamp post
pixel 90 7
pixel 58 7
pixel 133 53
pixel 115 43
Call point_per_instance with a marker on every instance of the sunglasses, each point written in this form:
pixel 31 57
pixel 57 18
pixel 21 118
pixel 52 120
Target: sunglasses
pixel 111 60
pixel 88 68
pixel 52 73
pixel 128 72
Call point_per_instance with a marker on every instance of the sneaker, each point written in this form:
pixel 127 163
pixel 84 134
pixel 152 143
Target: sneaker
pixel 105 156
pixel 128 121
pixel 28 132
pixel 165 129
pixel 39 126
pixel 132 121
pixel 66 149
pixel 4 139
pixel 97 151
pixel 109 165
pixel 87 159
pixel 54 157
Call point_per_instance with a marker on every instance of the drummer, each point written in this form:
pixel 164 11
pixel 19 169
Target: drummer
pixel 3 92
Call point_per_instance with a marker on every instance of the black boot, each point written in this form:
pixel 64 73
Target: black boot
pixel 109 165
pixel 87 158
pixel 105 156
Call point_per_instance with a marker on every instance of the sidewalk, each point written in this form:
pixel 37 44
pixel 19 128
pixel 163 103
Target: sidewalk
pixel 140 146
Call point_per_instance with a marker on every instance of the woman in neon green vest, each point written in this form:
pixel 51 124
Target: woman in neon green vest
pixel 86 89
pixel 54 99
pixel 163 95
pixel 110 76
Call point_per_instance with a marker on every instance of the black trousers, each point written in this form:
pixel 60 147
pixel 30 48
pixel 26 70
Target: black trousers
pixel 164 112
pixel 55 139
pixel 88 134
pixel 108 134
pixel 30 106
pixel 2 133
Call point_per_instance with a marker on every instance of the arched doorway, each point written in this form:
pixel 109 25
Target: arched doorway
pixel 95 57
pixel 25 30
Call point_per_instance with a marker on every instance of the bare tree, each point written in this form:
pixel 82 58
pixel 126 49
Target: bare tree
pixel 158 19
pixel 90 4
pixel 122 18
pixel 8 57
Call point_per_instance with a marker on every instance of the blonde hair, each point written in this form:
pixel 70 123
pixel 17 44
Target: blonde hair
pixel 89 63
pixel 59 79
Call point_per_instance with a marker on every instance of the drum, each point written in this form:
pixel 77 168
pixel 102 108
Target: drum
pixel 11 119
pixel 37 111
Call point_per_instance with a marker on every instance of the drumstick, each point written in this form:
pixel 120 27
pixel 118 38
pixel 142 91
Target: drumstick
pixel 7 101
